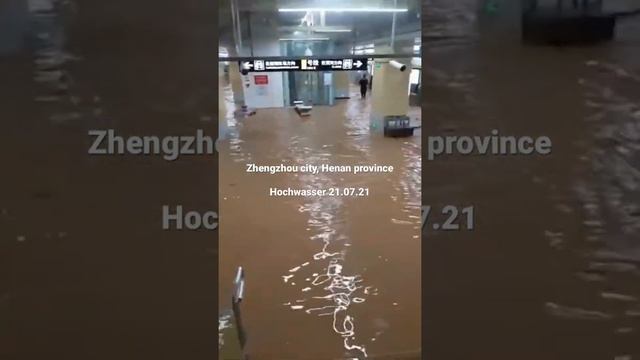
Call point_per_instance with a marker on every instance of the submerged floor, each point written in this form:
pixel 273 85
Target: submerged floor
pixel 552 269
pixel 327 277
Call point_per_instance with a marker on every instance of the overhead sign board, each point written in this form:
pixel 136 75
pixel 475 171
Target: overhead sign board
pixel 351 64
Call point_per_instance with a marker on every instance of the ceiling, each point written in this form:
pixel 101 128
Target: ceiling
pixel 364 25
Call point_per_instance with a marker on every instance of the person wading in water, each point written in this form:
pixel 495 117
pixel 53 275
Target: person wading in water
pixel 364 86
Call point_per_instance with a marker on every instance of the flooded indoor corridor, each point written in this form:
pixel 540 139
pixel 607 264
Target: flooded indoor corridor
pixel 98 261
pixel 552 269
pixel 326 277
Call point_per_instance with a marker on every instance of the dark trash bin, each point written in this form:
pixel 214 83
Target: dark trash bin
pixel 397 126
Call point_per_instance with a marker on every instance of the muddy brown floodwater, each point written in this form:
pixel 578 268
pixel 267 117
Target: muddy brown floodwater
pixel 86 270
pixel 552 269
pixel 327 277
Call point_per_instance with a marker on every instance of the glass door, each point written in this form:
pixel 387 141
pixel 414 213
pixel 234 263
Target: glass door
pixel 314 88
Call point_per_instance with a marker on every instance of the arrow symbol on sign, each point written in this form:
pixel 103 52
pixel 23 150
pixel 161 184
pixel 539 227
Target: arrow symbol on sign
pixel 358 63
pixel 247 65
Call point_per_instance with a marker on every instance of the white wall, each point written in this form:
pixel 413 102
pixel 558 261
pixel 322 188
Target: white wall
pixel 264 96
pixel 265 43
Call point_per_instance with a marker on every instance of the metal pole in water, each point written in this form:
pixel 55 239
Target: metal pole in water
pixel 235 28
pixel 393 27
pixel 236 299
pixel 239 24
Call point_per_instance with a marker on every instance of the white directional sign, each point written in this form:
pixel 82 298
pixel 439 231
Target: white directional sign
pixel 305 64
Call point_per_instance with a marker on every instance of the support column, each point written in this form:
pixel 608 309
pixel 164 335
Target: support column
pixel 390 92
pixel 341 81
pixel 222 105
pixel 235 78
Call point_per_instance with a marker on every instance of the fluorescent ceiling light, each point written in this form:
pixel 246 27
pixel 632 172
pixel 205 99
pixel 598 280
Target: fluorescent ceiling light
pixel 384 10
pixel 304 39
pixel 332 30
